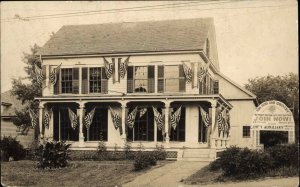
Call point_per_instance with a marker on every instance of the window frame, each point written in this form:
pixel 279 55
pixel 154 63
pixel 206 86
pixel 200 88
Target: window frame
pixel 102 80
pixel 178 78
pixel 68 81
pixel 144 79
pixel 246 131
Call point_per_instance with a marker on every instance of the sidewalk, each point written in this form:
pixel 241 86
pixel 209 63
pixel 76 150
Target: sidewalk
pixel 169 175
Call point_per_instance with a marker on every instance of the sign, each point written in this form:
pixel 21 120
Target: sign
pixel 274 116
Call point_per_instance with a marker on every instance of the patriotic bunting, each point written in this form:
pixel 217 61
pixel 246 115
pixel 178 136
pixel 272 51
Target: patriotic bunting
pixel 159 119
pixel 115 118
pixel 53 75
pixel 108 68
pixel 142 111
pixel 202 71
pixel 39 75
pixel 47 117
pixel 34 118
pixel 226 117
pixel 221 122
pixel 73 119
pixel 123 68
pixel 188 73
pixel 175 117
pixel 205 117
pixel 131 118
pixel 88 119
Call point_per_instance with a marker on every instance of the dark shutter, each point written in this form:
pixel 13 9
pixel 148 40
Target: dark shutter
pixel 75 81
pixel 84 83
pixel 216 87
pixel 151 82
pixel 56 86
pixel 160 83
pixel 104 82
pixel 182 82
pixel 130 79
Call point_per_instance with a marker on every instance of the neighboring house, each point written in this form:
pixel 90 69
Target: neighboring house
pixel 9 104
pixel 164 60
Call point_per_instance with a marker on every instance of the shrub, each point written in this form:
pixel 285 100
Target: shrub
pixel 32 150
pixel 144 160
pixel 53 155
pixel 160 152
pixel 284 155
pixel 127 151
pixel 10 147
pixel 102 151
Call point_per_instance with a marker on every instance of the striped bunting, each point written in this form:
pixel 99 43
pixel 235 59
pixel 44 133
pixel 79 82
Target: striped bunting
pixel 115 118
pixel 202 71
pixel 108 68
pixel 39 75
pixel 88 119
pixel 188 73
pixel 159 119
pixel 221 122
pixel 142 111
pixel 205 117
pixel 34 118
pixel 47 117
pixel 123 67
pixel 175 117
pixel 53 75
pixel 73 119
pixel 131 118
pixel 227 121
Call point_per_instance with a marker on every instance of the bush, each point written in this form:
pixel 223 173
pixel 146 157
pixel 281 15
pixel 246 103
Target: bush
pixel 10 147
pixel 32 150
pixel 144 160
pixel 284 155
pixel 127 151
pixel 102 151
pixel 53 155
pixel 160 152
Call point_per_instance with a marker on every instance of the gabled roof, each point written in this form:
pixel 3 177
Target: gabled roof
pixel 150 36
pixel 9 103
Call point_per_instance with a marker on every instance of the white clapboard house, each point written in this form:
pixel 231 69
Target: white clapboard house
pixel 155 82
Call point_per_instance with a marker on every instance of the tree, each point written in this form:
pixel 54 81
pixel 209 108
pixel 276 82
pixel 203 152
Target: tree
pixel 282 88
pixel 26 92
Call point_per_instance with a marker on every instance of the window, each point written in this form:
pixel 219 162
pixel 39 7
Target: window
pixel 97 80
pixel 179 133
pixel 66 80
pixel 216 87
pixel 140 79
pixel 174 79
pixel 98 128
pixel 246 131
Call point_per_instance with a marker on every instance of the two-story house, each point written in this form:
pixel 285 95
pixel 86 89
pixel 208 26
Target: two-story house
pixel 150 82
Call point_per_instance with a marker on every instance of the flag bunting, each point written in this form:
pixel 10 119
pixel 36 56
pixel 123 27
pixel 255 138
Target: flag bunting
pixel 123 67
pixel 39 75
pixel 34 118
pixel 88 119
pixel 202 71
pixel 159 119
pixel 188 73
pixel 131 118
pixel 47 117
pixel 115 118
pixel 175 117
pixel 73 119
pixel 108 68
pixel 142 111
pixel 53 75
pixel 205 117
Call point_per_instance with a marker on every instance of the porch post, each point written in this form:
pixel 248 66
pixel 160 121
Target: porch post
pixel 41 107
pixel 123 105
pixel 81 136
pixel 167 108
pixel 213 123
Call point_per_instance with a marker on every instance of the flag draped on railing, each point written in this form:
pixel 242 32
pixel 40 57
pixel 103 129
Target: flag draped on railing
pixel 47 117
pixel 115 118
pixel 175 117
pixel 188 73
pixel 159 119
pixel 142 111
pixel 39 75
pixel 202 71
pixel 53 75
pixel 88 119
pixel 108 68
pixel 33 117
pixel 205 117
pixel 123 67
pixel 73 118
pixel 228 123
pixel 131 118
pixel 221 122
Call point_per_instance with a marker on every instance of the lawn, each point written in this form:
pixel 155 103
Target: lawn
pixel 78 173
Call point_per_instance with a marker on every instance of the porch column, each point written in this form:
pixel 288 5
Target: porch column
pixel 123 105
pixel 167 109
pixel 213 123
pixel 81 135
pixel 41 108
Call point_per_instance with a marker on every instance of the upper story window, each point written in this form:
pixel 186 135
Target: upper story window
pixel 140 79
pixel 207 86
pixel 171 79
pixel 94 80
pixel 69 80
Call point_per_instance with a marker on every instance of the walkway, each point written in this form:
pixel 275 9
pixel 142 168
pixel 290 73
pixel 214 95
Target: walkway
pixel 169 175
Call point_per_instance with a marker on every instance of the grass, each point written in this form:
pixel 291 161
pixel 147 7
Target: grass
pixel 78 173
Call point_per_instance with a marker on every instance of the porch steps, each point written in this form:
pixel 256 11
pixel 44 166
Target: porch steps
pixel 200 154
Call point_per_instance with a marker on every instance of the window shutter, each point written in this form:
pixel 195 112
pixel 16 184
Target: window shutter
pixel 84 83
pixel 44 75
pixel 104 82
pixel 216 87
pixel 160 83
pixel 151 82
pixel 182 81
pixel 130 79
pixel 75 80
pixel 56 86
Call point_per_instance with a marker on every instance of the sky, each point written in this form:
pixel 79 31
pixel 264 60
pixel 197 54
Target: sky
pixel 254 38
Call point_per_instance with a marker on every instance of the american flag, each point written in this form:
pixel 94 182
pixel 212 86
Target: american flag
pixel 205 117
pixel 115 118
pixel 188 73
pixel 123 67
pixel 88 119
pixel 47 117
pixel 159 119
pixel 175 117
pixel 53 74
pixel 73 119
pixel 108 68
pixel 39 75
pixel 131 118
pixel 142 111
pixel 220 121
pixel 34 118
pixel 202 71
pixel 227 121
